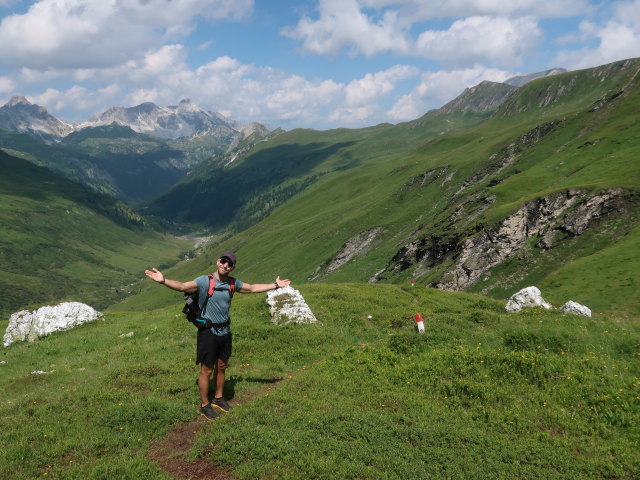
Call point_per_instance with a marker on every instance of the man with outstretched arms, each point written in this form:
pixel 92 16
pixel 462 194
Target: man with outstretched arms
pixel 214 341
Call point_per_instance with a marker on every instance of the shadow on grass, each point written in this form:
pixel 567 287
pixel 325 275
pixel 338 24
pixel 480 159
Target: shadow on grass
pixel 230 384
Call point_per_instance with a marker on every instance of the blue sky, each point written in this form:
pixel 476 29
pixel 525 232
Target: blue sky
pixel 294 63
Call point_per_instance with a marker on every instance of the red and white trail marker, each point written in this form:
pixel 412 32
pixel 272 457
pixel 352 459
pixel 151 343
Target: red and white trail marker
pixel 419 323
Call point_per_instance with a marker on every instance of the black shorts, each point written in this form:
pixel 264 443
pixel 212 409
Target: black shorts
pixel 212 347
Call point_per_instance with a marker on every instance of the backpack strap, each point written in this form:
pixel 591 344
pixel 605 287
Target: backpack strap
pixel 212 285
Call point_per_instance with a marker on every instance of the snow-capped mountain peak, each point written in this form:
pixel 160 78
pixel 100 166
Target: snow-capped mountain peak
pixel 182 120
pixel 20 115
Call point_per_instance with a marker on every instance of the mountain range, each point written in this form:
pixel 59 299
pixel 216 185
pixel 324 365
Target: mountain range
pixel 184 120
pixel 172 122
pixel 504 187
pixel 131 153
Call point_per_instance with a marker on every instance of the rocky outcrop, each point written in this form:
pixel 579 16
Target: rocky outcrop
pixel 550 219
pixel 489 248
pixel 532 297
pixel 29 326
pixel 589 212
pixel 425 252
pixel 527 297
pixel 287 305
pixel 575 308
pixel 424 180
pixel 355 246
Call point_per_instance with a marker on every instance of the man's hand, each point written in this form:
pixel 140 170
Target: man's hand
pixel 155 275
pixel 282 283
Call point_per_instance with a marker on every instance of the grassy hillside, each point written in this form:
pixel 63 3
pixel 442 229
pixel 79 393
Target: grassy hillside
pixel 60 241
pixel 480 395
pixel 276 170
pixel 420 191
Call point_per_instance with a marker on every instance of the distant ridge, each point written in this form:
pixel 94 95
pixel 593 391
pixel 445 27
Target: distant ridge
pixel 520 80
pixel 484 97
pixel 169 123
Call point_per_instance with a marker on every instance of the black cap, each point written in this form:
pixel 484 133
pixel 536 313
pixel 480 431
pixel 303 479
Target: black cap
pixel 230 256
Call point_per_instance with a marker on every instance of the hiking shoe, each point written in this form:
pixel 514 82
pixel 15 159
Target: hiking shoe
pixel 208 412
pixel 221 403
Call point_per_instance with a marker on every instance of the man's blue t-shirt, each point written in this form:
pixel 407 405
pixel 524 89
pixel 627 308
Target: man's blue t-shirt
pixel 219 304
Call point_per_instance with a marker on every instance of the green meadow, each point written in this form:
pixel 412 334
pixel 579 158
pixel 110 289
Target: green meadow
pixel 361 394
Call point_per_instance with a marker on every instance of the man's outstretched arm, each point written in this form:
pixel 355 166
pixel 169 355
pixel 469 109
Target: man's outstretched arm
pixel 264 287
pixel 157 276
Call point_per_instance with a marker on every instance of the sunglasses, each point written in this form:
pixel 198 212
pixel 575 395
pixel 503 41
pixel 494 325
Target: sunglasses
pixel 226 260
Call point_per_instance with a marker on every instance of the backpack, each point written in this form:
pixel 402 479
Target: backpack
pixel 192 310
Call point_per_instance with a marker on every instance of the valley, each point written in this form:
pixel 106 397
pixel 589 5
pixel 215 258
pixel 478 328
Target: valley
pixel 503 187
pixel 447 216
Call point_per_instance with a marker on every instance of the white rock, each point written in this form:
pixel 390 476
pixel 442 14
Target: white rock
pixel 527 297
pixel 576 309
pixel 125 335
pixel 25 325
pixel 288 306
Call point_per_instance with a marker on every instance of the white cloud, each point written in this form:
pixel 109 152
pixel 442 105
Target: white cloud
pixel 628 13
pixel 495 29
pixel 352 116
pixel 419 10
pixel 243 92
pixel 142 95
pixel 586 31
pixel 165 60
pixel 84 56
pixel 342 24
pixel 76 96
pixel 616 38
pixel 98 33
pixel 437 88
pixel 6 85
pixel 373 86
pixel 501 41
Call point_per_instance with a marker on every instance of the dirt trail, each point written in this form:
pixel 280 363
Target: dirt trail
pixel 171 451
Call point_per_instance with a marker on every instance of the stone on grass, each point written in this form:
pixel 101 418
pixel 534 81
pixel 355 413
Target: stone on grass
pixel 288 306
pixel 575 308
pixel 26 325
pixel 527 297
